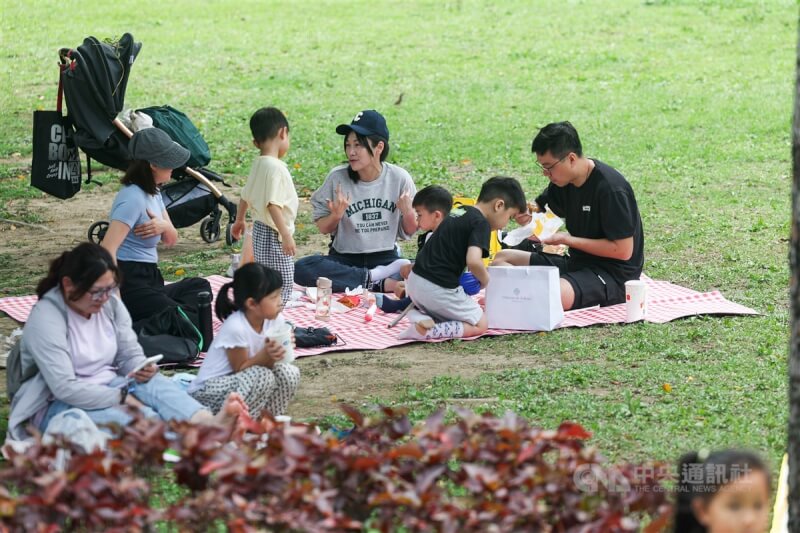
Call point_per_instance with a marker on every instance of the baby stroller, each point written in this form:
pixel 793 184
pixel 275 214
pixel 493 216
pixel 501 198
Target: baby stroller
pixel 94 78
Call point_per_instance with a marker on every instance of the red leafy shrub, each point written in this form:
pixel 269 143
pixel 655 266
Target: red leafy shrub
pixel 479 473
pixel 97 491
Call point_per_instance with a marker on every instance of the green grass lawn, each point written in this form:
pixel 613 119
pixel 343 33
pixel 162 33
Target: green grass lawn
pixel 691 101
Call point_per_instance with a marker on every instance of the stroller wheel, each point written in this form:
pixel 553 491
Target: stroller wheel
pixel 209 230
pixel 97 231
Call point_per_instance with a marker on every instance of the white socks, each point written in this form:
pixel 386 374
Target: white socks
pixel 417 317
pixel 382 272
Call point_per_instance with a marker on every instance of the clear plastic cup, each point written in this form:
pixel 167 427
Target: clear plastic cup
pixel 282 334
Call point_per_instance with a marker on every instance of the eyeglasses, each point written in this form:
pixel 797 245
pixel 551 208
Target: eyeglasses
pixel 548 170
pixel 100 294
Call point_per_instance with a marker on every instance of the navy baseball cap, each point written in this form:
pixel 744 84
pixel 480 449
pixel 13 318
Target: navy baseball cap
pixel 367 122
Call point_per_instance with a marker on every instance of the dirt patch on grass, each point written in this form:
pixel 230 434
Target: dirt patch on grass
pixel 339 376
pixel 55 225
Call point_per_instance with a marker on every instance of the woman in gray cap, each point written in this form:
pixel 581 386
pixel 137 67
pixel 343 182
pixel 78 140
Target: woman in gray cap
pixel 365 205
pixel 139 221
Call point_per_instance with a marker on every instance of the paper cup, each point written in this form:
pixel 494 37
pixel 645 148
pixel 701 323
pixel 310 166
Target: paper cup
pixel 282 334
pixel 635 300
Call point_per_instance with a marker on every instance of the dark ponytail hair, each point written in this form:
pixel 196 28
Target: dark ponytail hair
pixel 367 141
pixel 84 264
pixel 139 173
pixel 252 280
pixel 717 470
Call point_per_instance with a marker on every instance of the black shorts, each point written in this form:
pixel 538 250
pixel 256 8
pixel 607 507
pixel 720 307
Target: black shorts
pixel 592 285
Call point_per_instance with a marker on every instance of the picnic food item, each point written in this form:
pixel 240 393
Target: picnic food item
pixel 350 301
pixel 555 249
pixel 545 224
pixel 542 225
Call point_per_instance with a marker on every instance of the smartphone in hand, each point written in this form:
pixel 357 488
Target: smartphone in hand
pixel 150 360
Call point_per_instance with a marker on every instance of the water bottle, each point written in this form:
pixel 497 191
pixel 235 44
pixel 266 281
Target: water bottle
pixel 204 314
pixel 324 292
pixel 470 283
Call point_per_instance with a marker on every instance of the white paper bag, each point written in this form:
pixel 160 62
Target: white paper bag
pixel 525 298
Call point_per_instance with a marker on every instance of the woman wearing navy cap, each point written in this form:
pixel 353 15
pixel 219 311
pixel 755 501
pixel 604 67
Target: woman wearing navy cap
pixel 365 206
pixel 139 221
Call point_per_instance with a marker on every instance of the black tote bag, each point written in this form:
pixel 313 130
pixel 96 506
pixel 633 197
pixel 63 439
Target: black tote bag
pixel 56 165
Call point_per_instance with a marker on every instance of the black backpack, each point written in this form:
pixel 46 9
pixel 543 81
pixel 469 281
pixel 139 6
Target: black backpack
pixel 172 334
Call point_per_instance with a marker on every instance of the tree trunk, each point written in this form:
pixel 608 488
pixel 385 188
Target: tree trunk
pixel 794 347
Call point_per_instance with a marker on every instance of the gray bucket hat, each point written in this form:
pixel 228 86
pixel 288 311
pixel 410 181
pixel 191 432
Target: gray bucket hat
pixel 157 148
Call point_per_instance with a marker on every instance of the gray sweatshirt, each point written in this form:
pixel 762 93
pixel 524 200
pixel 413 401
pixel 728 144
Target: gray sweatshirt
pixel 372 221
pixel 45 345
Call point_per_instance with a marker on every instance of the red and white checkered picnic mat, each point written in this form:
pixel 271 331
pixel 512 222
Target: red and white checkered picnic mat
pixel 666 302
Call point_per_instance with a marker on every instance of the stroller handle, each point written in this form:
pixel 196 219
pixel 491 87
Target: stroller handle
pixel 122 127
pixel 205 181
pixel 64 55
pixel 189 170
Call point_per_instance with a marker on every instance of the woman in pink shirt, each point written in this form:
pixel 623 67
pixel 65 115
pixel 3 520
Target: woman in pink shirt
pixel 79 345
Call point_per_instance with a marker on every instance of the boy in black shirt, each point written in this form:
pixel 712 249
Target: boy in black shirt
pixel 459 241
pixel 605 239
pixel 432 205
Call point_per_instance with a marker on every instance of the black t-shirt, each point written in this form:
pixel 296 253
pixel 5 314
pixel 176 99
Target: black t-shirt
pixel 602 208
pixel 422 238
pixel 443 258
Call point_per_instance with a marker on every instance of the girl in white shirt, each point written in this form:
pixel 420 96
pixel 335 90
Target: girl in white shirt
pixel 242 359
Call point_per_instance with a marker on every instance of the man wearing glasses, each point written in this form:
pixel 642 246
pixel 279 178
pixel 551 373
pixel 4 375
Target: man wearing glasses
pixel 604 229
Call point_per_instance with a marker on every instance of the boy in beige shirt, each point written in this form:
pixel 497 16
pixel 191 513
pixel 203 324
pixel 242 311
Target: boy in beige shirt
pixel 270 192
